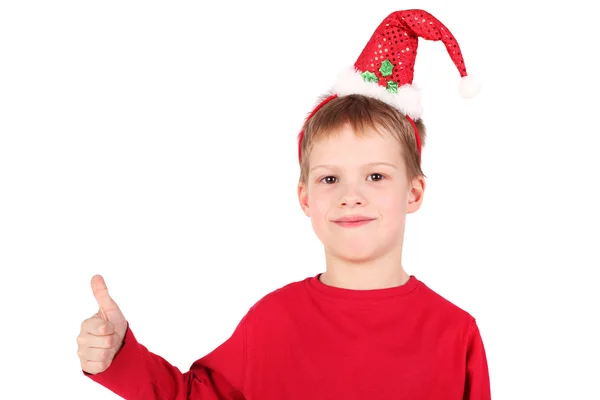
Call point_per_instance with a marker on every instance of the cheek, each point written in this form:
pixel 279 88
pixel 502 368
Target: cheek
pixel 321 204
pixel 321 201
pixel 391 202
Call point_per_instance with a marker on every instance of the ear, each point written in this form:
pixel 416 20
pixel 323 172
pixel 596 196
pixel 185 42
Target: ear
pixel 303 198
pixel 415 194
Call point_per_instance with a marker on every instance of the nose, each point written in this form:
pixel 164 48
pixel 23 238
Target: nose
pixel 351 197
pixel 350 202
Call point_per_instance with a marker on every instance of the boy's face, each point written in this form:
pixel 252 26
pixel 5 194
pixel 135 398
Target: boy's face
pixel 361 178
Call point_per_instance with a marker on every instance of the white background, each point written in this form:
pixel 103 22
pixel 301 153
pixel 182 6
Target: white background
pixel 155 143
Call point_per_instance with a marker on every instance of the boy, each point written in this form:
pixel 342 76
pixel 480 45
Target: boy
pixel 363 329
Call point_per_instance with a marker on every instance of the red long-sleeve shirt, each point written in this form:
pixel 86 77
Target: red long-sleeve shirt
pixel 308 340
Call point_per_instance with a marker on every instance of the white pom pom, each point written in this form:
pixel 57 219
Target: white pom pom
pixel 469 87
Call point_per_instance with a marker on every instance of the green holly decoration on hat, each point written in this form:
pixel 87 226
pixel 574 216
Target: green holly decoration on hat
pixel 368 76
pixel 392 87
pixel 386 68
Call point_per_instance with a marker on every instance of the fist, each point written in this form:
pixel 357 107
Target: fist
pixel 101 336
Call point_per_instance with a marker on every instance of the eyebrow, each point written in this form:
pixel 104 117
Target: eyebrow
pixel 373 164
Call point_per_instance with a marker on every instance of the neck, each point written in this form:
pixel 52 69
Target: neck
pixel 377 273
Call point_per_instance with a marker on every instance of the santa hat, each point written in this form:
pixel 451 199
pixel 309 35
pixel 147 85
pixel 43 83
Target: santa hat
pixel 385 68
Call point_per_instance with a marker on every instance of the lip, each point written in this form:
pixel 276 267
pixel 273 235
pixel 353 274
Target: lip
pixel 353 221
pixel 353 218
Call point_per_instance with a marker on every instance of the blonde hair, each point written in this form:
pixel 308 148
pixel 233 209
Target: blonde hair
pixel 361 113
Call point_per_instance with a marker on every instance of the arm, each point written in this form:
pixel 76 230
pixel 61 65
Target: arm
pixel 477 385
pixel 138 374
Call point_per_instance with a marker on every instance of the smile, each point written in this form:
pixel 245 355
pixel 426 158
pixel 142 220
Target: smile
pixel 353 222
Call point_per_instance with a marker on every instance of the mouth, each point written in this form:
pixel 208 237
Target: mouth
pixel 353 222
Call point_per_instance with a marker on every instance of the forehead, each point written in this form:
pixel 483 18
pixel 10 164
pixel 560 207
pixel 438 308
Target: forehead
pixel 346 147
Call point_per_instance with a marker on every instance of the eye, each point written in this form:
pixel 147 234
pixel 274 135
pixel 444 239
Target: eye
pixel 329 179
pixel 375 177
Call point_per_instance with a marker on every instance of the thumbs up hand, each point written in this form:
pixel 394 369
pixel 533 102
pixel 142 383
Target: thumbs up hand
pixel 101 336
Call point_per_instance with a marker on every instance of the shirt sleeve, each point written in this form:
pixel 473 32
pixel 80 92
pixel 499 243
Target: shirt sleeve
pixel 136 373
pixel 477 385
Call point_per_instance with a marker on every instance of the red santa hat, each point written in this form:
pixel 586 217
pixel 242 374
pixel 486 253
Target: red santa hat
pixel 384 69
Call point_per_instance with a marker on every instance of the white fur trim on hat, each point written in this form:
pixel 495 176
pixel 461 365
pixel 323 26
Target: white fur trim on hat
pixel 407 100
pixel 469 86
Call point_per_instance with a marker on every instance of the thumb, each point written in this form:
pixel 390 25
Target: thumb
pixel 105 302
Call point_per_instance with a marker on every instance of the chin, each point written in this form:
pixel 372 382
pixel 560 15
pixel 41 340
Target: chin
pixel 358 253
